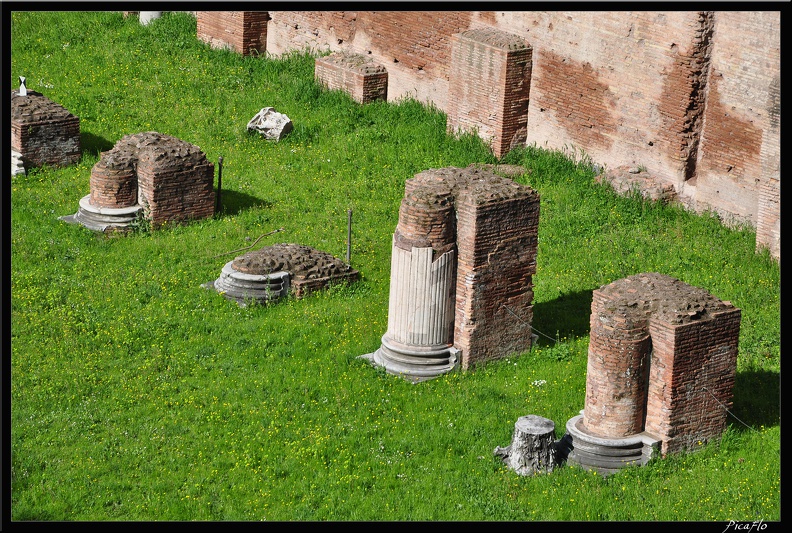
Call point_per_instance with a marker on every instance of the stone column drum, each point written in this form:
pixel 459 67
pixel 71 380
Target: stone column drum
pixel 419 342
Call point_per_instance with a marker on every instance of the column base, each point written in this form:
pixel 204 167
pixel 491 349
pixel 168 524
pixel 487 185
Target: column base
pixel 243 288
pixel 104 218
pixel 414 363
pixel 606 455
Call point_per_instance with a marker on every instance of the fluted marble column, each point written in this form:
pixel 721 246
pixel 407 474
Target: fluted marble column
pixel 418 343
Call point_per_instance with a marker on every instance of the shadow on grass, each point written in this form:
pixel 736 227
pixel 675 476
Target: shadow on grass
pixel 757 397
pixel 234 202
pixel 566 316
pixel 93 144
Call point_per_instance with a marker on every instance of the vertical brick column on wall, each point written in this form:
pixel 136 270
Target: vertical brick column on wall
pixel 43 131
pixel 489 84
pixel 355 74
pixel 768 219
pixel 242 31
pixel 675 383
pixel 768 227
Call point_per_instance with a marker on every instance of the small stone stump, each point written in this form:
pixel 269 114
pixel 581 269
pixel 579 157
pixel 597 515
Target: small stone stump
pixel 532 449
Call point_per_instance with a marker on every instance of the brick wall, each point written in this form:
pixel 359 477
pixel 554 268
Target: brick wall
pixel 242 31
pixel 691 96
pixel 740 140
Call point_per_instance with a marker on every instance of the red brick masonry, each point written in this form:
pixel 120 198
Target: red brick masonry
pixel 171 178
pixel 488 91
pixel 43 131
pixel 355 74
pixel 496 222
pixel 242 31
pixel 662 359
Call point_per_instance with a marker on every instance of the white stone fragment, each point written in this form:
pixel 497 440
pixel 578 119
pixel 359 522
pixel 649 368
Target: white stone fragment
pixel 272 125
pixel 146 17
pixel 17 166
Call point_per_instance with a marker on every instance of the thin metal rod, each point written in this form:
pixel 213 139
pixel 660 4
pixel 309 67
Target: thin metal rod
pixel 349 237
pixel 219 183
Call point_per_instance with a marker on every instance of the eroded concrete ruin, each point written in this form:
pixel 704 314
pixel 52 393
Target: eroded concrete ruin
pixel 278 270
pixel 462 266
pixel 150 175
pixel 42 131
pixel 661 366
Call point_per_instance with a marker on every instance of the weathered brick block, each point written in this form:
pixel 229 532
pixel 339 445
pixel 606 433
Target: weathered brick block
pixel 489 85
pixel 44 132
pixel 662 360
pixel 355 74
pixel 242 31
pixel 170 178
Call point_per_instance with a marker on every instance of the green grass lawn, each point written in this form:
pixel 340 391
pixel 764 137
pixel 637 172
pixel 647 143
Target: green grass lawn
pixel 136 394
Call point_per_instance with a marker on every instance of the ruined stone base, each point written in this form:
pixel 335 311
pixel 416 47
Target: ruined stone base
pixel 17 163
pixel 626 180
pixel 278 270
pixel 103 218
pixel 605 455
pixel 243 288
pixel 414 363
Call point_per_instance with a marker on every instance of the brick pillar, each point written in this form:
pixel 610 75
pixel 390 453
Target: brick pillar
pixel 691 378
pixel 113 187
pixel 489 84
pixel 768 226
pixel 497 227
pixel 618 364
pixel 242 31
pixel 355 74
pixel 419 342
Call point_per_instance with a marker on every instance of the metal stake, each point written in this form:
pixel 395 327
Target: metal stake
pixel 349 237
pixel 219 183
